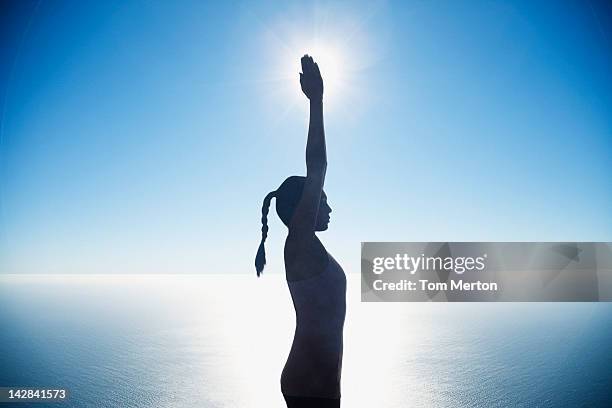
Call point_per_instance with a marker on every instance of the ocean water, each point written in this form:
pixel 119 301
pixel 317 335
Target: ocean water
pixel 221 341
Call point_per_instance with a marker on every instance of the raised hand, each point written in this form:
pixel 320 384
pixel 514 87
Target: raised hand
pixel 310 79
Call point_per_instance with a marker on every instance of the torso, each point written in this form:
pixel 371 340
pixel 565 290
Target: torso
pixel 314 366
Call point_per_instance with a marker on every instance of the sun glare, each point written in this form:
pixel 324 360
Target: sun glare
pixel 338 40
pixel 331 64
pixel 332 61
pixel 346 43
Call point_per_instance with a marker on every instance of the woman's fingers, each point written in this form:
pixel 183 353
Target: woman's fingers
pixel 305 64
pixel 309 67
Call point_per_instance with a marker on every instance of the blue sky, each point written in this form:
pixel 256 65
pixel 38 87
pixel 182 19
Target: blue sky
pixel 141 137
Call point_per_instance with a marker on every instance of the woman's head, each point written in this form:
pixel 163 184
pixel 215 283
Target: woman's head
pixel 288 196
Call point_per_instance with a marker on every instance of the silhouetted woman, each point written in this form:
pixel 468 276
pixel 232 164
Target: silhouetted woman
pixel 311 377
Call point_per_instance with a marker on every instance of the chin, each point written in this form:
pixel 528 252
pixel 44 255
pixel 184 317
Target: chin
pixel 323 227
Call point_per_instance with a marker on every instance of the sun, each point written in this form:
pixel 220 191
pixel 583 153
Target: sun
pixel 346 42
pixel 330 61
pixel 330 39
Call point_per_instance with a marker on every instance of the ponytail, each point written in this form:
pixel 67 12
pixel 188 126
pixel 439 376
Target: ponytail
pixel 260 258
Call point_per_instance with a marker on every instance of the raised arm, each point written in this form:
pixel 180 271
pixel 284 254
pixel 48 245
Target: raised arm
pixel 305 216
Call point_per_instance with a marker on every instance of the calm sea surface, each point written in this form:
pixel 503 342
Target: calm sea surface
pixel 221 341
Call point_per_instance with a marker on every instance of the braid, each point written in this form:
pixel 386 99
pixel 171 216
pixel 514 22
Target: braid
pixel 260 258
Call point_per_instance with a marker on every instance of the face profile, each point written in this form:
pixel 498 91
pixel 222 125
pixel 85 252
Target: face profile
pixel 323 217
